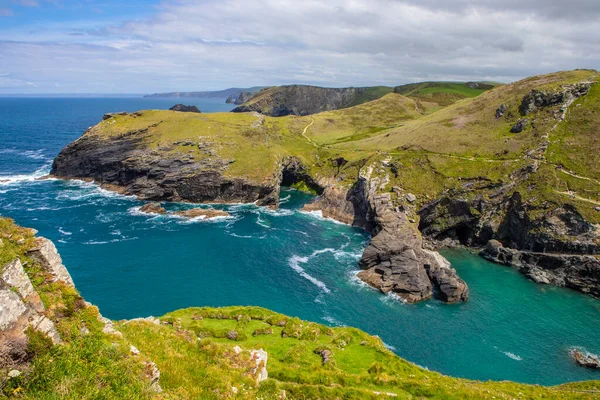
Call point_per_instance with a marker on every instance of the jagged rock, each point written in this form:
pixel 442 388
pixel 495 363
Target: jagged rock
pixel 395 261
pixel 14 275
pixel 537 99
pixel 586 360
pixel 108 328
pixel 206 213
pixel 184 108
pixel 153 374
pixel 520 126
pixel 260 358
pixel 156 174
pixel 243 97
pixel 500 111
pixel 411 198
pixel 112 115
pixel 580 272
pixel 153 208
pixel 45 253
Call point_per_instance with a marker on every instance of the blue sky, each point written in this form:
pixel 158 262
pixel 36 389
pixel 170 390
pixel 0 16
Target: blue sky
pixel 67 46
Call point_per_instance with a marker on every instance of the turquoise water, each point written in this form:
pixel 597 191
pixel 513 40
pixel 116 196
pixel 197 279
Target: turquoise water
pixel 131 264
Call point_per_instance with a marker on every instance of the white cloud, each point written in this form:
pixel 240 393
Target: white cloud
pixel 188 45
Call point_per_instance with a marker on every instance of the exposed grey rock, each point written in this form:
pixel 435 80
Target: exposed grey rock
pixel 153 374
pixel 13 373
pixel 411 198
pixel 520 126
pixel 260 358
pixel 501 111
pixel 123 164
pixel 585 359
pixel 45 253
pixel 112 115
pixel 537 99
pixel 184 108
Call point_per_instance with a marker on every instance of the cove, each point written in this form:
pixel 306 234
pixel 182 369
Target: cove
pixel 132 264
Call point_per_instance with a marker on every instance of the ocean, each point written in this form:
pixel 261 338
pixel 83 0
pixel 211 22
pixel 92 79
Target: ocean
pixel 132 265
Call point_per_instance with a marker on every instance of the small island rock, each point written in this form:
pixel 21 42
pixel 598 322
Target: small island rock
pixel 184 108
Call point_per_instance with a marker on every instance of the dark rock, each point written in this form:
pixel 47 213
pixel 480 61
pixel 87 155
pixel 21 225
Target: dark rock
pixel 243 97
pixel 184 108
pixel 586 360
pixel 501 111
pixel 537 99
pixel 520 126
pixel 112 115
pixel 303 100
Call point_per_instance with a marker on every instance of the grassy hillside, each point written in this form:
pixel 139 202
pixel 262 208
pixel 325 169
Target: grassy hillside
pixel 425 151
pixel 443 93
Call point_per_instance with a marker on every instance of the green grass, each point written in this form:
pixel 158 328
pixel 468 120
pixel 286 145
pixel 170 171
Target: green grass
pixel 194 364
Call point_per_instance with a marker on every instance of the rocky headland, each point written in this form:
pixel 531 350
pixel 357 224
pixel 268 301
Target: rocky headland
pixel 460 177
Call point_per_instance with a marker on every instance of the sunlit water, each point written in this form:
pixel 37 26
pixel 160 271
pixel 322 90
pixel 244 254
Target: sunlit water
pixel 132 264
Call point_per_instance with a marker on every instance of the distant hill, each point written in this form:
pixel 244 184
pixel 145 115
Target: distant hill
pixel 279 101
pixel 444 93
pixel 235 92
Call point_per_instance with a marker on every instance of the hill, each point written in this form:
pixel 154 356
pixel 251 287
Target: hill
pixel 279 101
pixel 208 353
pixel 235 92
pixel 443 93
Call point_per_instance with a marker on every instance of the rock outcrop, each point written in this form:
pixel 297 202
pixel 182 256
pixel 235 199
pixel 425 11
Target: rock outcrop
pixel 585 359
pixel 303 100
pixel 153 208
pixel 395 260
pixel 22 308
pixel 184 108
pixel 206 213
pixel 157 174
pixel 537 99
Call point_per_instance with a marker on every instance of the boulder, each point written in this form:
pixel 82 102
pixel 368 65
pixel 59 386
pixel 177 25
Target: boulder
pixel 260 358
pixel 184 108
pixel 520 126
pixel 153 208
pixel 500 111
pixel 205 213
pixel 585 359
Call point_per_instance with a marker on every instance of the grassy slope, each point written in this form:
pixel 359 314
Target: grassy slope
pixel 197 361
pixel 442 93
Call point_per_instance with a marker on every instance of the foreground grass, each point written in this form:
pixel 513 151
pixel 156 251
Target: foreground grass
pixel 197 360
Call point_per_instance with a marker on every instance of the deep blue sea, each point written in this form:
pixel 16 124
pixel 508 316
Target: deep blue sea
pixel 131 264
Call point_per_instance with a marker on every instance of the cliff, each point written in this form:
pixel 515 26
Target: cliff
pixel 53 344
pixel 279 101
pixel 416 176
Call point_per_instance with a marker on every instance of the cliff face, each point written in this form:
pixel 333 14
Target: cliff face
pixel 305 100
pixel 126 164
pixel 395 260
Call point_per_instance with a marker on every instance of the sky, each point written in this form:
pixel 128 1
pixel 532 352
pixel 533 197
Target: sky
pixel 135 46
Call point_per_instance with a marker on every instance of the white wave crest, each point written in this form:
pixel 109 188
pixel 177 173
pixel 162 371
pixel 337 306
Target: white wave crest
pixel 14 179
pixel 295 261
pixel 61 230
pixel 318 214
